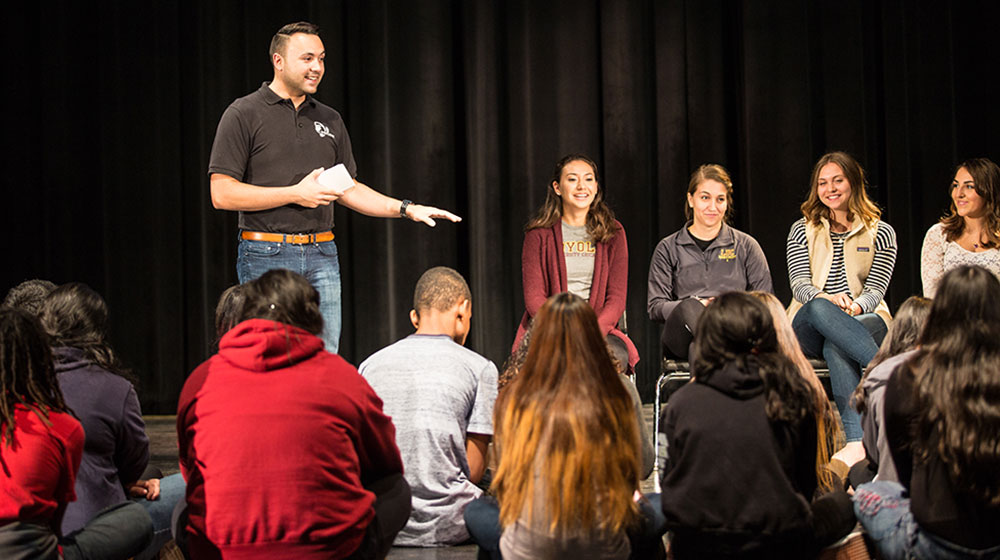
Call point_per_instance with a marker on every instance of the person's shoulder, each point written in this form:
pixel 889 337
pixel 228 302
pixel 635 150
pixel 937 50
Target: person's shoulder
pixel 391 353
pixel 936 230
pixel 671 240
pixel 67 428
pixel 881 373
pixel 325 112
pixel 249 102
pixel 744 237
pixel 96 379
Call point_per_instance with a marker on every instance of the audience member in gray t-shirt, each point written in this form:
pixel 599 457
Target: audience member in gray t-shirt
pixel 440 396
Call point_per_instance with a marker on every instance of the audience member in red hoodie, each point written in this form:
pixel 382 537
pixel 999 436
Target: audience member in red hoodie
pixel 284 446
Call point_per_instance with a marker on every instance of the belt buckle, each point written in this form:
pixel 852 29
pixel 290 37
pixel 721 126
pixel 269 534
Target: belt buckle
pixel 300 238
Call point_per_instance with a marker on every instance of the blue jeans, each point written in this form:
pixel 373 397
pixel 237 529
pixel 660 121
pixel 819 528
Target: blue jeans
pixel 172 489
pixel 883 508
pixel 847 344
pixel 317 262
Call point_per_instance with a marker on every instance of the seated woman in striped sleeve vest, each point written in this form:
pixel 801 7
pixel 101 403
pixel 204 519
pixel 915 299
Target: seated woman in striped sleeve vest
pixel 840 260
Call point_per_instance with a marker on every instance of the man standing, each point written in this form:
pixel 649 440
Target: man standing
pixel 440 397
pixel 270 148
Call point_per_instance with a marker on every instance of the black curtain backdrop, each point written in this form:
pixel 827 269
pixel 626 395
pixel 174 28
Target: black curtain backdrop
pixel 110 111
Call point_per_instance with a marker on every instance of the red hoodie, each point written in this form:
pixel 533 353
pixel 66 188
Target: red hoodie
pixel 276 438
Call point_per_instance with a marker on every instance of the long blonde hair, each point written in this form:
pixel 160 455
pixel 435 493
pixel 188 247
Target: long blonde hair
pixel 828 432
pixel 566 422
pixel 859 205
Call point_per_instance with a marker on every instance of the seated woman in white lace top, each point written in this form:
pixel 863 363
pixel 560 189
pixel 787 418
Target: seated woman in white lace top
pixel 970 232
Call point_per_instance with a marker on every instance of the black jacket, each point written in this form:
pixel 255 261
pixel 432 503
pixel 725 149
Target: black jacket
pixel 734 482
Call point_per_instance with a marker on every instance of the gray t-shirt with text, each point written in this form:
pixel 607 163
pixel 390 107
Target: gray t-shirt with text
pixel 579 251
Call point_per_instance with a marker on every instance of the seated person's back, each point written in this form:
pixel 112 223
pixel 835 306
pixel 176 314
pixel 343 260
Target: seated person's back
pixel 440 397
pixel 281 442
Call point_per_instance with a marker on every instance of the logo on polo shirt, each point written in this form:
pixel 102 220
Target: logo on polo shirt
pixel 727 254
pixel 323 130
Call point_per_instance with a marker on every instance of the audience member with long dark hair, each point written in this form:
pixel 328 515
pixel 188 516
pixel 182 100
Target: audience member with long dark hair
pixel 569 450
pixel 828 432
pixel 740 456
pixel 98 388
pixel 284 446
pixel 41 445
pixel 575 244
pixel 970 232
pixel 705 258
pixel 840 261
pixel 942 421
pixel 898 346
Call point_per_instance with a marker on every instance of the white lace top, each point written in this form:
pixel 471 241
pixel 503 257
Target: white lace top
pixel 940 255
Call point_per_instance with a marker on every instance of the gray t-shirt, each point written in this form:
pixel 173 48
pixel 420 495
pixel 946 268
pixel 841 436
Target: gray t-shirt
pixel 436 392
pixel 579 251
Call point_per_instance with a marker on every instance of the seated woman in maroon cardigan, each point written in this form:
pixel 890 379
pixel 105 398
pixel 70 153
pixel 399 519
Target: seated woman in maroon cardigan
pixel 575 244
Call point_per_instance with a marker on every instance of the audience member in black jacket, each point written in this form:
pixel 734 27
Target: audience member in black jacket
pixel 741 446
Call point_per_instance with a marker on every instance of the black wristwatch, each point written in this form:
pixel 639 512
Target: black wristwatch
pixel 402 207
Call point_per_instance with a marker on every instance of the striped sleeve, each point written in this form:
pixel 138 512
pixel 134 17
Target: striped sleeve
pixel 797 253
pixel 881 271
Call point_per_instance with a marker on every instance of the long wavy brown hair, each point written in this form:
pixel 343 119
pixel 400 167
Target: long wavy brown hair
pixel 828 432
pixel 986 176
pixel 565 429
pixel 859 205
pixel 957 382
pixel 601 225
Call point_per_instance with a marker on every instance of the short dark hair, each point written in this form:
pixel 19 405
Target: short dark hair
pixel 286 297
pixel 229 310
pixel 28 295
pixel 280 38
pixel 440 288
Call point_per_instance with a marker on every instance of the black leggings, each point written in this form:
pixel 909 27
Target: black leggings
pixel 392 511
pixel 679 328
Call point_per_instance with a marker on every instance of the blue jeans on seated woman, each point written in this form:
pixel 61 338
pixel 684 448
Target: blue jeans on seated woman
pixel 883 508
pixel 172 490
pixel 847 344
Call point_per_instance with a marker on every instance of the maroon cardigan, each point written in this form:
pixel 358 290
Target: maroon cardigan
pixel 543 274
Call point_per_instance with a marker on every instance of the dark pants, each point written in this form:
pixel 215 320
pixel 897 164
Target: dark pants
pixel 117 532
pixel 392 511
pixel 679 329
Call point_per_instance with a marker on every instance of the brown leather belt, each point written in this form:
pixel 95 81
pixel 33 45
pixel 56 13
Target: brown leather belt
pixel 294 238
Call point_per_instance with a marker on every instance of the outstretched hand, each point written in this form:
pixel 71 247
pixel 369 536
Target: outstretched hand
pixel 426 214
